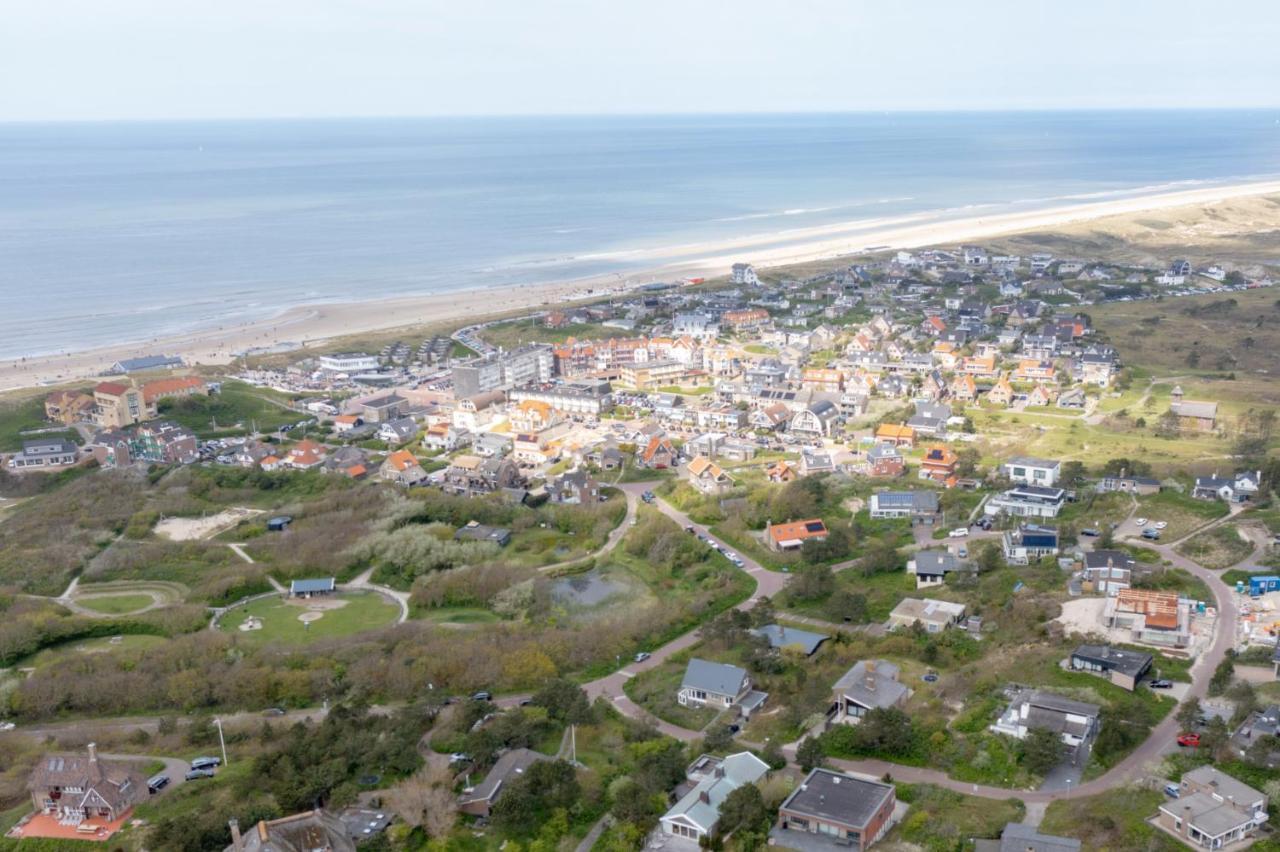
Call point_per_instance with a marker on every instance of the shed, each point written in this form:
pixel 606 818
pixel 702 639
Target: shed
pixel 279 523
pixel 313 586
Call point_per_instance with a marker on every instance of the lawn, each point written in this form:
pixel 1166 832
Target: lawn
pixel 655 690
pixel 941 819
pixel 361 611
pixel 26 415
pixel 1220 547
pixel 236 409
pixel 130 644
pixel 116 604
pixel 1181 512
pixel 1115 819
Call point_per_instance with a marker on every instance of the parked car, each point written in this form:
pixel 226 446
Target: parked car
pixel 157 783
pixel 273 711
pixel 959 532
pixel 1161 524
pixel 1172 790
pixel 1140 522
pixel 1189 740
pixel 1091 532
pixel 1161 683
pixel 197 774
pixel 641 656
pixel 206 763
pixel 962 552
pixel 690 529
pixel 1151 534
pixel 7 726
pixel 459 757
pixel 482 696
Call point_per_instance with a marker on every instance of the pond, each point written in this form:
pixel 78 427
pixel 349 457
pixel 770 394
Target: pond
pixel 587 589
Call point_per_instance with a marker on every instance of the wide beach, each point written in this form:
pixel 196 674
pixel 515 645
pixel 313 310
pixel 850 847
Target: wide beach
pixel 312 326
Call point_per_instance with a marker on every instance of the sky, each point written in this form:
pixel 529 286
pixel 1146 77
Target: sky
pixel 178 59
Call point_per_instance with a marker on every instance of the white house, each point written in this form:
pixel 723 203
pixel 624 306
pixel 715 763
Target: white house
pixel 696 814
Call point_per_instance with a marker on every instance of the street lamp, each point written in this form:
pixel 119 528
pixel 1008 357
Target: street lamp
pixel 221 741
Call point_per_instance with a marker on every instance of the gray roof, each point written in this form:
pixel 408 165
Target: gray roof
pixel 1018 837
pixel 935 562
pixel 319 584
pixel 1132 663
pixel 1207 410
pixel 1108 559
pixel 511 764
pixel 839 798
pixel 1207 814
pixel 888 691
pixel 717 678
pixel 782 637
pixel 1226 785
pixel 738 769
pixel 1032 461
pixel 918 501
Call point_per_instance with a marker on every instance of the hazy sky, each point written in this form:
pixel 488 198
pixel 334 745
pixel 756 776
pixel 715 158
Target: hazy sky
pixel 95 59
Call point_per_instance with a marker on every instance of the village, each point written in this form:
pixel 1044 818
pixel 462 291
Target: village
pixel 902 535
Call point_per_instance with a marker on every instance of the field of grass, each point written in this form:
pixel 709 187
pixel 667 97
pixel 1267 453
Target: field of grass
pixel 129 644
pixel 116 604
pixel 1181 512
pixel 1220 547
pixel 512 334
pixel 233 411
pixel 363 611
pixel 943 819
pixel 655 690
pixel 18 416
pixel 1115 819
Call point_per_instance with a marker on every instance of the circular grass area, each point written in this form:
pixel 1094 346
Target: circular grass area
pixel 297 622
pixel 116 604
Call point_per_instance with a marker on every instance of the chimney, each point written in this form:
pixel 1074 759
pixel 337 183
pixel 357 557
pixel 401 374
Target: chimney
pixel 93 752
pixel 704 797
pixel 719 773
pixel 869 667
pixel 237 842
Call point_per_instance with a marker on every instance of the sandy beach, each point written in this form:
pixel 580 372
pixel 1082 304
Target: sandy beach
pixel 311 326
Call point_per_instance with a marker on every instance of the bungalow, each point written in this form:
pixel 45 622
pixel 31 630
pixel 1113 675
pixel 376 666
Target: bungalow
pixel 476 531
pixel 716 685
pixel 1122 667
pixel 1213 810
pixel 933 615
pixel 695 816
pixel 899 435
pixel 793 534
pixel 45 454
pixel 78 789
pixel 708 477
pixel 779 637
pixel 919 506
pixel 478 801
pixel 848 811
pixel 885 459
pixel 931 567
pixel 1073 721
pixel 1130 484
pixel 869 685
pixel 1029 543
pixel 487 444
pixel 344 423
pixel 1072 398
pixel 1235 489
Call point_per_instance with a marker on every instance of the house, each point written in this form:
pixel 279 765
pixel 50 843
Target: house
pixel 695 815
pixel 780 637
pixel 1234 489
pixel 178 387
pixel 478 800
pixel 821 379
pixel 736 450
pixel 1019 837
pixel 606 456
pixel 531 415
pixel 1122 667
pixel 744 275
pixel 1199 416
pixel 869 685
pixel 1074 721
pixel 1041 395
pixel 930 419
pixel 1073 398
pixel 1027 501
pixel 708 477
pixel 770 418
pixel 1151 617
pixel 899 435
pixel 446 437
pixel 472 476
pixel 933 615
pixel 813 462
pixel 478 410
pixel 116 405
pixel 1107 572
pixel 68 407
pixel 885 459
pixel 487 444
pixel 1213 810
pixel 816 419
pixel 780 471
pixel 1130 484
pixel 1258 725
pixel 931 567
pixel 402 468
pixel 476 531
pixel 344 423
pixel 919 506
pixel 1029 543
pixel 312 588
pixel 399 431
pixel 573 488
pixel 717 685
pixel 830 806
pixel 793 534
pixel 1026 470
pixel 305 455
pixel 939 465
pixel 45 454
pixel 311 831
pixel 1001 393
pixel 1034 370
pixel 384 408
pixel 83 788
pixel 745 319
pixel 657 454
pixel 964 388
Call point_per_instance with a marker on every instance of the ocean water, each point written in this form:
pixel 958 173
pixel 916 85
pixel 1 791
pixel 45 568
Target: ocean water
pixel 114 232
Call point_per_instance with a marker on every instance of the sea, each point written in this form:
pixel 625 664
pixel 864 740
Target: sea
pixel 120 232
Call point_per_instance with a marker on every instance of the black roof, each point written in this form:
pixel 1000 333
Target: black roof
pixel 839 798
pixel 1132 663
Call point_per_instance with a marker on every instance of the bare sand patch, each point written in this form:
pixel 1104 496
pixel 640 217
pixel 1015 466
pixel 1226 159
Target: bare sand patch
pixel 192 529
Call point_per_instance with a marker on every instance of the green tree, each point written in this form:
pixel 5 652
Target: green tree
pixel 1041 750
pixel 564 701
pixel 1222 677
pixel 1189 713
pixel 809 754
pixel 742 809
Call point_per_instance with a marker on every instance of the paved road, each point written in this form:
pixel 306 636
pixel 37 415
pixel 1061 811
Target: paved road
pixel 632 496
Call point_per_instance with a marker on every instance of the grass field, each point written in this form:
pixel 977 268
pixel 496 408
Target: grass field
pixel 280 623
pixel 1220 547
pixel 1115 819
pixel 130 644
pixel 512 334
pixel 1182 513
pixel 18 416
pixel 116 604
pixel 233 411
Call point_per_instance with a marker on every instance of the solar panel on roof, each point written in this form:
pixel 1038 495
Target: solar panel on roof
pixel 814 526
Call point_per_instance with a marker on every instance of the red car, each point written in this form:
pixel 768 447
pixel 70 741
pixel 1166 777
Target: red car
pixel 1192 740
